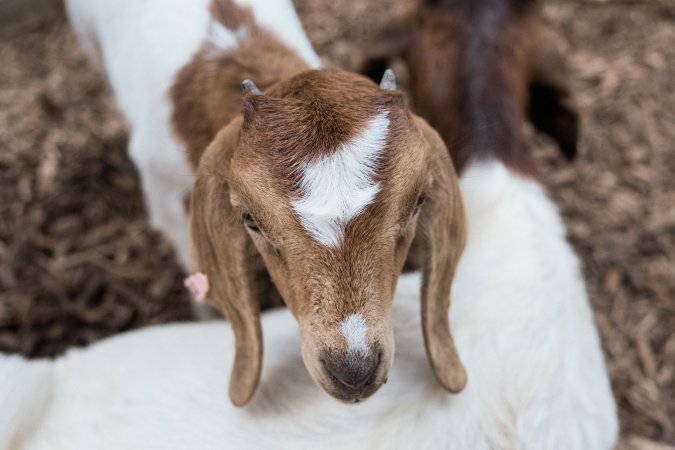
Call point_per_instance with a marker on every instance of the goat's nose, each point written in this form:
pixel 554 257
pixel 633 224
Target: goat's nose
pixel 354 372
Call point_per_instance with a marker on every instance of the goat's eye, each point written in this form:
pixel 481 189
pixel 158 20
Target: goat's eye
pixel 250 222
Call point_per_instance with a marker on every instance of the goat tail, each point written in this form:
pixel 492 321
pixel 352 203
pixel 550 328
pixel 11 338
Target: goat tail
pixel 25 394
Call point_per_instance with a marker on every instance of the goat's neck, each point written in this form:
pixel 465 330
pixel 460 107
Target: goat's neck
pixel 479 99
pixel 493 127
pixel 492 104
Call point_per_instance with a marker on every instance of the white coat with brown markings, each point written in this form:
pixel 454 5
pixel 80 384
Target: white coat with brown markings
pixel 318 181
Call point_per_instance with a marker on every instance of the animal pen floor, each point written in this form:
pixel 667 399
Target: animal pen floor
pixel 78 261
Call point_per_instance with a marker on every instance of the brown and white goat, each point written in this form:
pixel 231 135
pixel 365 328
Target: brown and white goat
pixel 319 185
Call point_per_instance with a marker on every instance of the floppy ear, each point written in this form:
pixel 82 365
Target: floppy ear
pixel 553 109
pixel 222 249
pixel 443 227
pixel 391 42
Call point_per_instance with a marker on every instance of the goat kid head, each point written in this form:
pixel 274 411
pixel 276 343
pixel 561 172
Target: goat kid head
pixel 330 179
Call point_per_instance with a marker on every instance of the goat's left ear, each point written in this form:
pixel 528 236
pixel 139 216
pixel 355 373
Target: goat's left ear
pixel 223 250
pixel 553 108
pixel 442 236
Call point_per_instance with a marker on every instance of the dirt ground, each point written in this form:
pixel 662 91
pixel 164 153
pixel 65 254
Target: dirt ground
pixel 78 261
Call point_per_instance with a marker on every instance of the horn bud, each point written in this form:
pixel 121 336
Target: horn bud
pixel 248 87
pixel 388 82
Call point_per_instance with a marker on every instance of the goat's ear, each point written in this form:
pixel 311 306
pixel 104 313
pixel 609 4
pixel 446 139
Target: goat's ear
pixel 442 225
pixel 222 249
pixel 391 42
pixel 553 109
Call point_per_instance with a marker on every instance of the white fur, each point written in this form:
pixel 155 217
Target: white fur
pixel 354 329
pixel 337 188
pixel 280 17
pixel 520 318
pixel 25 389
pixel 142 45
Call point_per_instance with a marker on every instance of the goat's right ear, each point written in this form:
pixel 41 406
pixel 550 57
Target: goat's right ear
pixel 553 109
pixel 222 250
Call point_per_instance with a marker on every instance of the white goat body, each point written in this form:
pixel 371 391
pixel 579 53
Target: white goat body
pixel 521 321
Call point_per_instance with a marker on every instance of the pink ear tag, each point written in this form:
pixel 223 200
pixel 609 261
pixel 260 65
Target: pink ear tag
pixel 198 285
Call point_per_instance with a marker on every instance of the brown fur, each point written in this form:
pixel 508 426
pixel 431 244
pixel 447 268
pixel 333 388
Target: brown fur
pixel 439 238
pixel 253 163
pixel 478 67
pixel 207 92
pixel 251 167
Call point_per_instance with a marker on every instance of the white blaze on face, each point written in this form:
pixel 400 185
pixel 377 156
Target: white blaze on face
pixel 354 329
pixel 336 188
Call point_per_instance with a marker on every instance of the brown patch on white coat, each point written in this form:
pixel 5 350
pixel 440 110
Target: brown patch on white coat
pixel 247 206
pixel 207 93
pixel 478 68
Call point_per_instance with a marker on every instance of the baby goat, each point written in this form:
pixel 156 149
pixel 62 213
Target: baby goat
pixel 320 184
